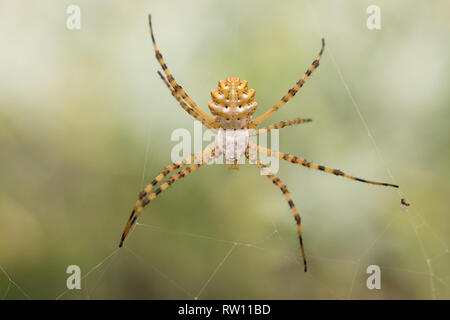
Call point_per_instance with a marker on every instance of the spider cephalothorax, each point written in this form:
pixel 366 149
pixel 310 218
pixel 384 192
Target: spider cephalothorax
pixel 232 106
pixel 233 103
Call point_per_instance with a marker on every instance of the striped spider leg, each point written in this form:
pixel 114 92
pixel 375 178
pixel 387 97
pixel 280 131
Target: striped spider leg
pixel 276 181
pixel 192 109
pixel 145 196
pixel 295 160
pixel 189 110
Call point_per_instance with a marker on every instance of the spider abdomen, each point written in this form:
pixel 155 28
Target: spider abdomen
pixel 233 103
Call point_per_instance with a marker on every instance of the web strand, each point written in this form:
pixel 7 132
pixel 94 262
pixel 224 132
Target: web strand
pixel 12 282
pixel 215 271
pixel 357 108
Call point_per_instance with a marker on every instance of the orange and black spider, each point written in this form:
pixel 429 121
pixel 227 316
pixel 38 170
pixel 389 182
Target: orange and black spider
pixel 232 107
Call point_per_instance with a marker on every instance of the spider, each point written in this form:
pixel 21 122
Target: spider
pixel 232 107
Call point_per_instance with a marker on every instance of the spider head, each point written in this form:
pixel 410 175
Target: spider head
pixel 233 103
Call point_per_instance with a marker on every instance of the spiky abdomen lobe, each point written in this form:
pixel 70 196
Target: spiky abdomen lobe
pixel 233 103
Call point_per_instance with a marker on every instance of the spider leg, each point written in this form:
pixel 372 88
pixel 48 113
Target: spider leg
pixel 305 163
pixel 177 88
pixel 207 155
pixel 279 125
pixel 234 165
pixel 189 110
pixel 291 93
pixel 276 181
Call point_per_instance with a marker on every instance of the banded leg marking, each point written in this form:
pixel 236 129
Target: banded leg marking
pixel 178 89
pixel 189 110
pixel 291 93
pixel 279 125
pixel 136 212
pixel 276 181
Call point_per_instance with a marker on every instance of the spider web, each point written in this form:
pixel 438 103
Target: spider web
pixel 416 221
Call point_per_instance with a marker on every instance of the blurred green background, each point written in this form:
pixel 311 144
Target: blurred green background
pixel 85 123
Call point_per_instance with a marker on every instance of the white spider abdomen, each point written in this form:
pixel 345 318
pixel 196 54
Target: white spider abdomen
pixel 232 143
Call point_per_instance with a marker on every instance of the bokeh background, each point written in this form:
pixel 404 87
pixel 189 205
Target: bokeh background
pixel 85 123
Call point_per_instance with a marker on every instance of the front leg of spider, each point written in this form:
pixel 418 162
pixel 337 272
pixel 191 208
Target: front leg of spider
pixel 145 197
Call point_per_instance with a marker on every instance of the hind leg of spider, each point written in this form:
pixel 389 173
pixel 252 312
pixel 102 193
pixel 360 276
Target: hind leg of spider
pixel 207 155
pixel 188 109
pixel 279 125
pixel 276 181
pixel 312 165
pixel 291 93
pixel 178 89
